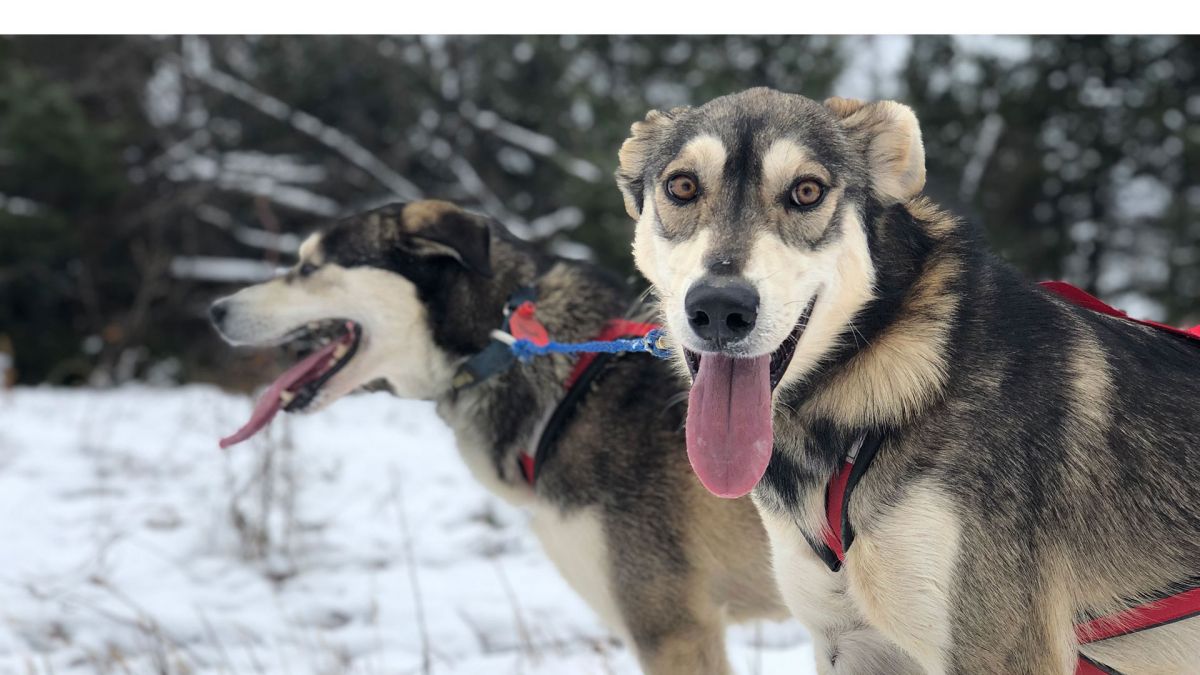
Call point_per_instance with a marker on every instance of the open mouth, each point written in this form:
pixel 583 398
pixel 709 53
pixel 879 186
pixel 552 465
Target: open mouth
pixel 781 358
pixel 730 435
pixel 326 348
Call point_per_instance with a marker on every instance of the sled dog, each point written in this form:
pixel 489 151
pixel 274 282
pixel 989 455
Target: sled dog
pixel 959 471
pixel 408 297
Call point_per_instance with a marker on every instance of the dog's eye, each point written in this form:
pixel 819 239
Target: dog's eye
pixel 683 187
pixel 807 193
pixel 307 268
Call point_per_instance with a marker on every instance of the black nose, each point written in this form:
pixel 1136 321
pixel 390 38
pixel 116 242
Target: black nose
pixel 721 310
pixel 217 312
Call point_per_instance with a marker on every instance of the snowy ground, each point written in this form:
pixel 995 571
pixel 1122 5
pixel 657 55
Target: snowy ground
pixel 349 541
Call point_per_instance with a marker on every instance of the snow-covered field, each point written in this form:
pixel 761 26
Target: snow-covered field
pixel 348 541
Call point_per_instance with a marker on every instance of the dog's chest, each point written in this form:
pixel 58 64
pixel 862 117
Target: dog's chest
pixel 810 590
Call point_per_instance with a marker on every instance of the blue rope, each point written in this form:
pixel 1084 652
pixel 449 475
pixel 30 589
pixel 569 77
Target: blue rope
pixel 526 350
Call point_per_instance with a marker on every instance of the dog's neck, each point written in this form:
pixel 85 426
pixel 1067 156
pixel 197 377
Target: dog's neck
pixel 497 419
pixel 894 365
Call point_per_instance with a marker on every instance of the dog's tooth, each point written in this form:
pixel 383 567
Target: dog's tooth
pixel 286 397
pixel 341 351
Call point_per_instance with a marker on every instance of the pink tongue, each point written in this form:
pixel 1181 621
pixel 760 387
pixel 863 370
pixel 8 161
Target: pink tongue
pixel 729 434
pixel 295 377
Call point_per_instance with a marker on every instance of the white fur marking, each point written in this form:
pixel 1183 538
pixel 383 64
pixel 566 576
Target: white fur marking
pixel 577 545
pixel 901 573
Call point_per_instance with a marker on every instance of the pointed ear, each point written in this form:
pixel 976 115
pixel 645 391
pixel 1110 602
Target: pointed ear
pixel 440 228
pixel 895 153
pixel 636 152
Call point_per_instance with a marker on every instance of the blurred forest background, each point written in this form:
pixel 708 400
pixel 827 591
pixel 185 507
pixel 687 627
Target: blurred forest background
pixel 142 176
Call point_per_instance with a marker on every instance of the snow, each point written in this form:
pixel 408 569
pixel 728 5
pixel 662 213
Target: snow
pixel 352 540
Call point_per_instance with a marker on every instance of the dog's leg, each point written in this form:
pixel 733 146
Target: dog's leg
pixel 674 623
pixel 693 647
pixel 658 604
pixel 672 620
pixel 994 634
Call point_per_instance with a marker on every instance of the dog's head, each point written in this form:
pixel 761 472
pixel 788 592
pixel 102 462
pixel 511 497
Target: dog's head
pixel 397 295
pixel 750 225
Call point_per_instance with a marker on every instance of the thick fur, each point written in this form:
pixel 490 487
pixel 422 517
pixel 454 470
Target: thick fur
pixel 1041 462
pixel 617 508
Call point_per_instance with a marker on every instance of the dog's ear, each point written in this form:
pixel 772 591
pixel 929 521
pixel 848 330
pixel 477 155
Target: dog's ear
pixel 895 153
pixel 635 152
pixel 442 229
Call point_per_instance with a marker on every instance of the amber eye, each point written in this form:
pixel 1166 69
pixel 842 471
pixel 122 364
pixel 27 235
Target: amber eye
pixel 807 193
pixel 683 187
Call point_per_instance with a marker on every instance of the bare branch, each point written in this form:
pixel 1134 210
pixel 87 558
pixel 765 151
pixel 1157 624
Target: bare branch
pixel 531 141
pixel 200 69
pixel 985 145
pixel 249 236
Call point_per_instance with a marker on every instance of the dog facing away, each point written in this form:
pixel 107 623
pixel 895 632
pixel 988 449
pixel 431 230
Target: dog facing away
pixel 1033 465
pixel 400 297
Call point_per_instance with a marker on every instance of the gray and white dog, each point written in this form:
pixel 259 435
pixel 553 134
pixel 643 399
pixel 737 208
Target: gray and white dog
pixel 403 296
pixel 1033 464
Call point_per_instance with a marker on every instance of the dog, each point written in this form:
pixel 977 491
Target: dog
pixel 406 297
pixel 1034 465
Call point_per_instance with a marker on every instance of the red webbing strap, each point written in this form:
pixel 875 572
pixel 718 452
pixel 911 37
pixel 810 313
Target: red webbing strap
pixel 526 461
pixel 613 329
pixel 1088 301
pixel 1152 614
pixel 835 498
pixel 1149 615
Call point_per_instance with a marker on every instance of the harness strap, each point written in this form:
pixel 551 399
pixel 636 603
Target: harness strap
pixel 838 534
pixel 1084 299
pixel 577 385
pixel 612 330
pixel 1155 613
pixel 1152 614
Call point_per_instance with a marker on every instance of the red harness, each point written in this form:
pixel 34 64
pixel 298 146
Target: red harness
pixel 838 535
pixel 528 329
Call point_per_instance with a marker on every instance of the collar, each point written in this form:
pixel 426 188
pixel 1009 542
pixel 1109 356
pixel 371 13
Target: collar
pixel 497 357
